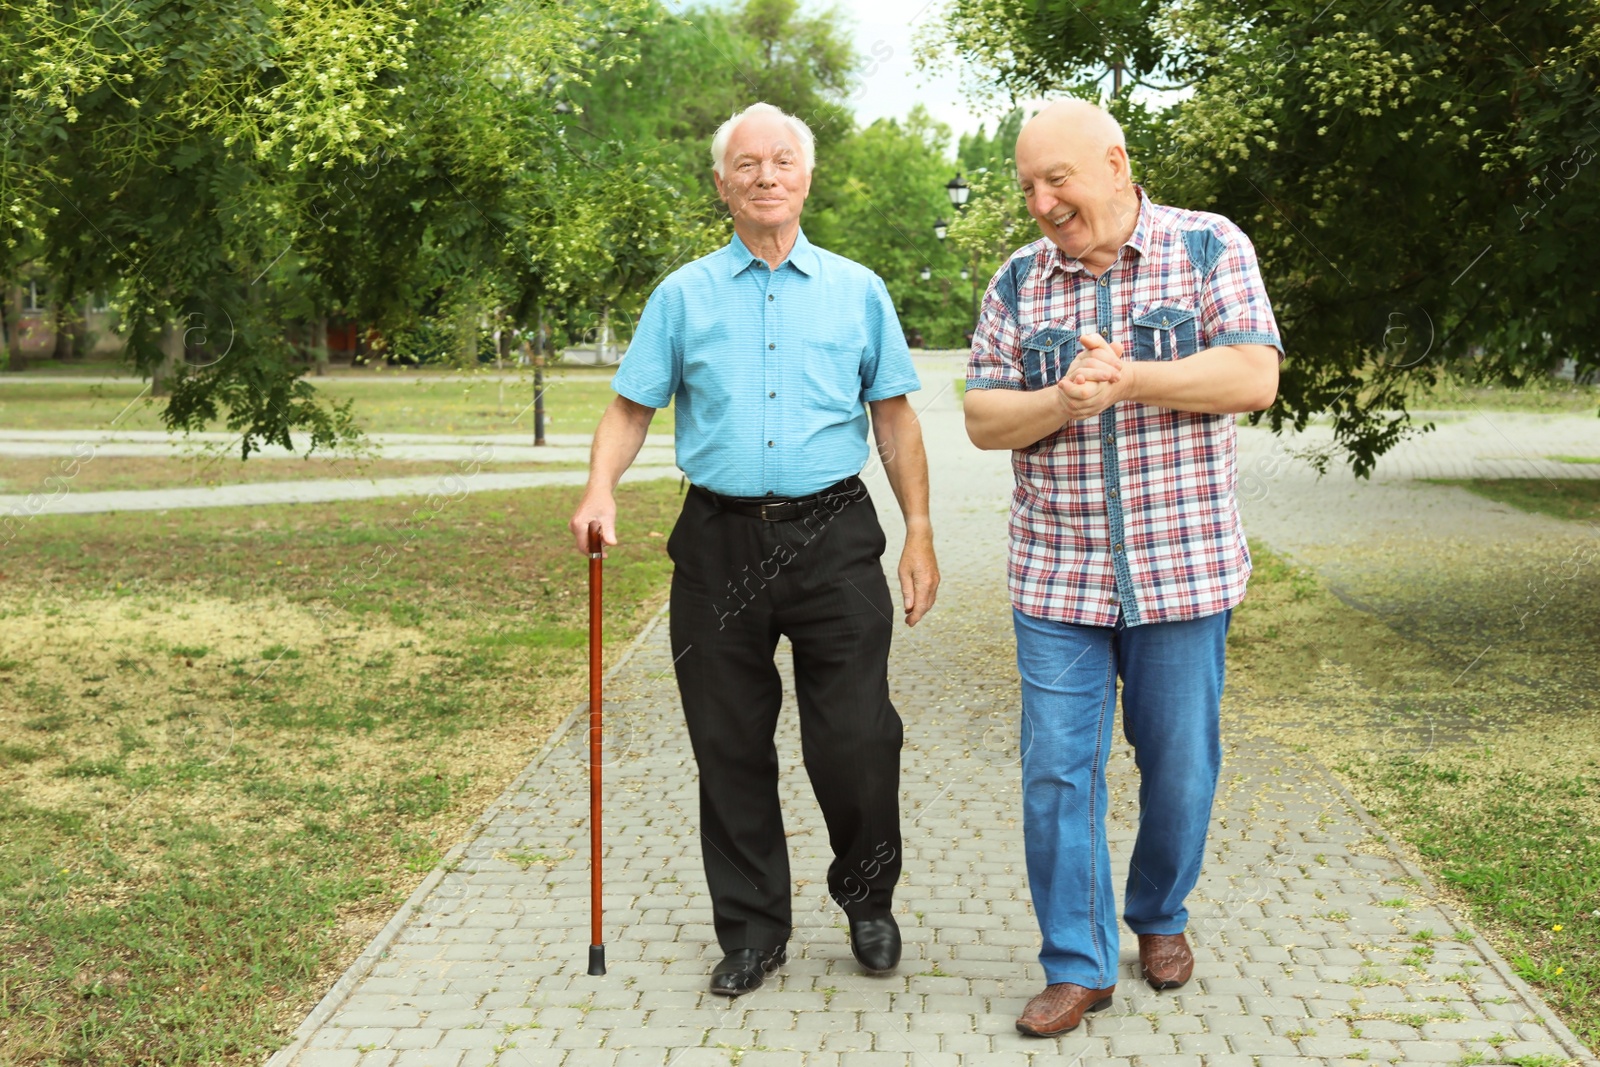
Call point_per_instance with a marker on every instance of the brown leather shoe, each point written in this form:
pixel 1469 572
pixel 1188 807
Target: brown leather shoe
pixel 1165 959
pixel 1060 1008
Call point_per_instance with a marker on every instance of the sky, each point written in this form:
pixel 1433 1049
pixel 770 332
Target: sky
pixel 891 84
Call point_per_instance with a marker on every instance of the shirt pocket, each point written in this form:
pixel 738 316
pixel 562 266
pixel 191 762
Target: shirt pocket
pixel 1165 331
pixel 1047 353
pixel 831 370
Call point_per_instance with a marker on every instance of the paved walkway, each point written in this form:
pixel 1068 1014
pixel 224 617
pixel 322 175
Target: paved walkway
pixel 1301 949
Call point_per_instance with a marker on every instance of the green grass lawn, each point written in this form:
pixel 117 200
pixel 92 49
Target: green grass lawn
pixel 1565 498
pixel 387 401
pixel 33 474
pixel 235 740
pixel 1464 710
pixel 1454 393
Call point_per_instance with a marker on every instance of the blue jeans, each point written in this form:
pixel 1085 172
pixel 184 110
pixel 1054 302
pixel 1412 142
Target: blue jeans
pixel 1171 698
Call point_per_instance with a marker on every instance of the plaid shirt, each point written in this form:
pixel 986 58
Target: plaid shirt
pixel 1132 513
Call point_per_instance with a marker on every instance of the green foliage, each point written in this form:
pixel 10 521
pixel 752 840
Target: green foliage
pixel 1413 177
pixel 1038 46
pixel 697 67
pixel 228 167
pixel 979 151
pixel 876 201
pixel 995 223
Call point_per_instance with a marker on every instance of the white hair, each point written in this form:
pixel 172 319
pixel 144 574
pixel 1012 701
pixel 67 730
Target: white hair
pixel 802 132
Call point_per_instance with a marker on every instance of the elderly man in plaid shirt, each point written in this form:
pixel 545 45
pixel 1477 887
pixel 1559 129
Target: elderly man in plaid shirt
pixel 1111 357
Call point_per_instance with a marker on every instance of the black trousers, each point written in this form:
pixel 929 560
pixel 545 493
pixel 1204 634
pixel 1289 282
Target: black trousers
pixel 739 582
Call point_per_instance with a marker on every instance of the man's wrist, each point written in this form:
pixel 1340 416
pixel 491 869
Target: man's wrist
pixel 918 526
pixel 1131 382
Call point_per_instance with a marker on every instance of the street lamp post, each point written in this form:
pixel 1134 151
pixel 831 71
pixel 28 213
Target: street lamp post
pixel 958 191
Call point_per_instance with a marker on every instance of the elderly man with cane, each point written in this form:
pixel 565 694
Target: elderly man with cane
pixel 1111 357
pixel 774 351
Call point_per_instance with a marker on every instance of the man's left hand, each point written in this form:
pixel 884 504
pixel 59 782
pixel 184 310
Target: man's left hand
pixel 919 575
pixel 1095 380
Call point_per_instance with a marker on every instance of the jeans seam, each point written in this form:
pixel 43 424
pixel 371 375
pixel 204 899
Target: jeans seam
pixel 1094 842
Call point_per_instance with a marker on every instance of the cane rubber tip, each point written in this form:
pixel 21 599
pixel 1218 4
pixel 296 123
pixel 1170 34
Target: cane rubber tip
pixel 597 959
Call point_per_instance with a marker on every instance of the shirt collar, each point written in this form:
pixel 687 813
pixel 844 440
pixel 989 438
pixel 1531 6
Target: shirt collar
pixel 1055 259
pixel 802 257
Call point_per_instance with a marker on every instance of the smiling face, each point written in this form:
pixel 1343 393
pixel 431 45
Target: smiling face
pixel 764 180
pixel 1077 183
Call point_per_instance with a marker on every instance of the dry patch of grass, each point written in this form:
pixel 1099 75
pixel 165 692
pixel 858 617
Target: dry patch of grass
pixel 225 764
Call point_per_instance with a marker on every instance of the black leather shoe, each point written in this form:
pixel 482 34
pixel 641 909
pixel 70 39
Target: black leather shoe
pixel 876 944
pixel 744 969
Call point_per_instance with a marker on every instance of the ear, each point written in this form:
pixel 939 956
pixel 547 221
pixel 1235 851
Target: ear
pixel 1121 170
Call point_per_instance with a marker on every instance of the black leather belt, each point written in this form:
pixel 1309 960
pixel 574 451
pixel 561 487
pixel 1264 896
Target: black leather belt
pixel 785 509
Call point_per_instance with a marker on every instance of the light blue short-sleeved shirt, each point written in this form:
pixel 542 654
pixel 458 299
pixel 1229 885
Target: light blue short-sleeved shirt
pixel 770 369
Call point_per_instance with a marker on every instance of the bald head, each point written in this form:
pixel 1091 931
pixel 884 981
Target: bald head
pixel 1074 121
pixel 1072 164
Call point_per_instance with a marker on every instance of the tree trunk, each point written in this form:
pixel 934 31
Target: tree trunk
pixel 171 357
pixel 11 323
pixel 80 333
pixel 63 316
pixel 319 344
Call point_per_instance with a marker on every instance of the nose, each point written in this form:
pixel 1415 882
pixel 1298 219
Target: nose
pixel 1041 203
pixel 766 173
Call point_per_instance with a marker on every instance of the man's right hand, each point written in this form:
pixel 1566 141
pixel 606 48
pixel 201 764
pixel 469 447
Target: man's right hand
pixel 596 506
pixel 1082 390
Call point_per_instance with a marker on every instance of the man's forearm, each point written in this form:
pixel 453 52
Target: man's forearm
pixel 1011 418
pixel 617 441
pixel 898 434
pixel 1225 380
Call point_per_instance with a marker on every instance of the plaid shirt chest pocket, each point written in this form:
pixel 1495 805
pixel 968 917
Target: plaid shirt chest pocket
pixel 1047 353
pixel 1165 331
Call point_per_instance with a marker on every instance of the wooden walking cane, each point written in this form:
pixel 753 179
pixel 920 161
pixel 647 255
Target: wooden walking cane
pixel 597 948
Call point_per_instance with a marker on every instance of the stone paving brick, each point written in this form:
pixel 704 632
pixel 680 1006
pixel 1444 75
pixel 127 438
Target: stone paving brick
pixel 1274 958
pixel 323 1057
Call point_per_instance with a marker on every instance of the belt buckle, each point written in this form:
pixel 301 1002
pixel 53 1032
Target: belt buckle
pixel 764 516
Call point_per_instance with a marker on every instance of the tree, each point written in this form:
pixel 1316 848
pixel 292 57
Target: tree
pixel 704 64
pixel 229 166
pixel 1412 177
pixel 979 151
pixel 875 200
pixel 1037 46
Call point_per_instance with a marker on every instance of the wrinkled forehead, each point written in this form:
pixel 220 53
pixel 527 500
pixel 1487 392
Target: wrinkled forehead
pixel 763 137
pixel 1042 156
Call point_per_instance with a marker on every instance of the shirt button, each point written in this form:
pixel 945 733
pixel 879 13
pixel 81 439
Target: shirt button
pixel 1117 547
pixel 772 345
pixel 1164 322
pixel 772 394
pixel 769 296
pixel 1112 494
pixel 769 444
pixel 1105 279
pixel 1110 437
